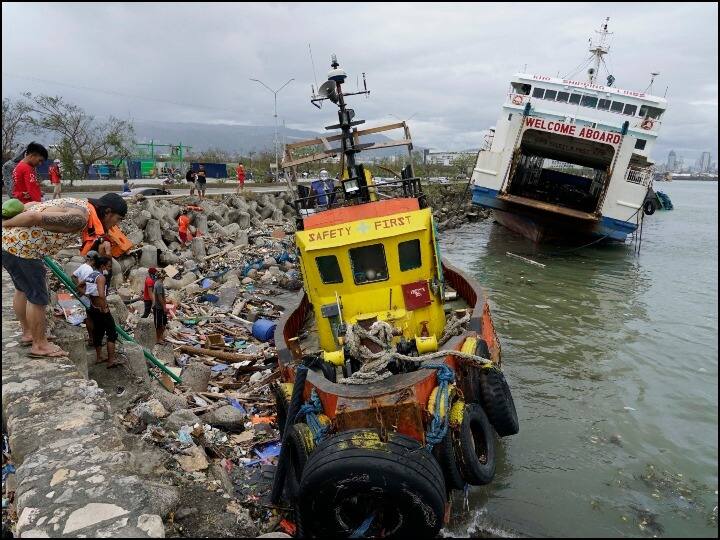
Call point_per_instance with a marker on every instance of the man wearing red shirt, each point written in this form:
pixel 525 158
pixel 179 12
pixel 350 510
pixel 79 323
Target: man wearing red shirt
pixel 147 290
pixel 240 170
pixel 25 185
pixel 54 172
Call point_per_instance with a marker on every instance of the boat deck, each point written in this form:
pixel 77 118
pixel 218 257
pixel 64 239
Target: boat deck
pixel 548 207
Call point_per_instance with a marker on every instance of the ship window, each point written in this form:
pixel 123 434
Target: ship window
pixel 550 94
pixel 563 96
pixel 630 110
pixel 589 101
pixel 368 264
pixel 604 104
pixel 650 112
pixel 640 144
pixel 617 106
pixel 329 269
pixel 575 98
pixel 409 253
pixel 538 92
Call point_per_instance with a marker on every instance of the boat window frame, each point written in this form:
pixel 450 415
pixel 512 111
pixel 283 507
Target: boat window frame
pixel 321 273
pixel 538 92
pixel 567 96
pixel 648 111
pixel 352 263
pixel 600 101
pixel 572 96
pixel 554 94
pixel 416 241
pixel 633 107
pixel 585 99
pixel 613 109
pixel 640 144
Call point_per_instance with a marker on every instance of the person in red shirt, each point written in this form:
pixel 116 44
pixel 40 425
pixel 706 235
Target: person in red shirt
pixel 55 178
pixel 240 177
pixel 147 291
pixel 183 224
pixel 25 184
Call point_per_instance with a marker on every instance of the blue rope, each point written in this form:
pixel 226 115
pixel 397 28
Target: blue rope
pixel 362 530
pixel 310 410
pixel 439 425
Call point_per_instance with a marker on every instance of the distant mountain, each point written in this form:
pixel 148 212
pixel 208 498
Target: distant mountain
pixel 234 139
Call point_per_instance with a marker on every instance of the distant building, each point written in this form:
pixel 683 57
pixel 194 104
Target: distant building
pixel 672 162
pixel 705 161
pixel 446 158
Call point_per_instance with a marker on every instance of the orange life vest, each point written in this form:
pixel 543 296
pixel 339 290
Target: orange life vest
pixel 94 230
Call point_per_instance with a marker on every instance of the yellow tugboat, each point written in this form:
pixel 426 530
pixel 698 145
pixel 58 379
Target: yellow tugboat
pixel 396 395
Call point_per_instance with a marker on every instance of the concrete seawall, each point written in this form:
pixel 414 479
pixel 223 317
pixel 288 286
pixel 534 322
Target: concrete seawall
pixel 74 476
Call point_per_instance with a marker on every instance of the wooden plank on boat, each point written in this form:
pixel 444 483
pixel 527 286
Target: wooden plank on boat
pixel 524 259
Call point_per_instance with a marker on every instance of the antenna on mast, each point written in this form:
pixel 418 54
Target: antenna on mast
pixel 652 80
pixel 599 50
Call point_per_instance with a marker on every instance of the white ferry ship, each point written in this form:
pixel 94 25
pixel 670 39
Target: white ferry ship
pixel 569 157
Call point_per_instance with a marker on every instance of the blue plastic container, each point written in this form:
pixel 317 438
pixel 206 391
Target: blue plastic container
pixel 263 329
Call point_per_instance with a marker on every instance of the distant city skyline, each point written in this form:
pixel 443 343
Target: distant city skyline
pixel 678 163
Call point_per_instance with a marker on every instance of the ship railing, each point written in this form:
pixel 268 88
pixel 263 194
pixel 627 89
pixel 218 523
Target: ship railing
pixel 318 202
pixel 639 176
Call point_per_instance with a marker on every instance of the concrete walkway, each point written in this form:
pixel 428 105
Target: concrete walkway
pixel 75 478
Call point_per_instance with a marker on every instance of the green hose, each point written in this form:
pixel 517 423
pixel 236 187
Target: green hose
pixel 62 276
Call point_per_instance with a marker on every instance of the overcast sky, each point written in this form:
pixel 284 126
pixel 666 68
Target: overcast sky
pixel 447 64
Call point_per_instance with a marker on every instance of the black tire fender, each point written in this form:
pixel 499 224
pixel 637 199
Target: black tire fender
pixel 497 401
pixel 649 207
pixel 475 446
pixel 301 442
pixel 354 475
pixel 281 406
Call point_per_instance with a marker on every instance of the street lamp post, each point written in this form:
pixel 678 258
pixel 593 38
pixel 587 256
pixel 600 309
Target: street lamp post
pixel 275 93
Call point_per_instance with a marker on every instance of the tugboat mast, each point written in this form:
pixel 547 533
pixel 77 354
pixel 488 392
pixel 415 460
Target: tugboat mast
pixel 598 50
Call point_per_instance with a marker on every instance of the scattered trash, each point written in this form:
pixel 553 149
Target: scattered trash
pixel 267 450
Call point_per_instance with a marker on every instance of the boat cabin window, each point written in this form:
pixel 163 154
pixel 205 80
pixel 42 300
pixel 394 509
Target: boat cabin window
pixel 409 254
pixel 368 264
pixel 640 144
pixel 550 94
pixel 630 110
pixel 650 112
pixel 329 269
pixel 563 96
pixel 589 101
pixel 538 92
pixel 520 88
pixel 575 98
pixel 603 104
pixel 617 106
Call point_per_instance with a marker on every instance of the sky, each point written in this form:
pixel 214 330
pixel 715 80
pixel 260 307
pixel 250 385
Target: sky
pixel 446 67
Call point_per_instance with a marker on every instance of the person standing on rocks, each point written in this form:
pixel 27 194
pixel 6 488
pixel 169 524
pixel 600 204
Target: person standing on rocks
pixel 148 291
pixel 104 214
pixel 44 229
pixel 26 187
pixel 190 178
pixel 201 183
pixel 96 286
pixel 55 178
pixel 183 226
pixel 240 177
pixel 7 171
pixel 159 301
pixel 78 277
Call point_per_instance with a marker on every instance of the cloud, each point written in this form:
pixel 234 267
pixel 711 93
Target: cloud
pixel 449 64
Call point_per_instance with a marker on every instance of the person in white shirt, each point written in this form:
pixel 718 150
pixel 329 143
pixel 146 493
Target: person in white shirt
pixel 78 277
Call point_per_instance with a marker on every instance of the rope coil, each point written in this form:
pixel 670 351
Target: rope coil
pixel 310 410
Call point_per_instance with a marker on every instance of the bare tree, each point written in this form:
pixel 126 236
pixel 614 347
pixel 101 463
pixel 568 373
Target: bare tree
pixel 82 137
pixel 16 121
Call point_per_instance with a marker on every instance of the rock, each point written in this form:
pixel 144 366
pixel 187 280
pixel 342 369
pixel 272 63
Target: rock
pixel 118 309
pixel 168 234
pixel 168 257
pixel 152 525
pixel 186 280
pixel 149 257
pixel 72 339
pixel 150 411
pixel 247 280
pixel 137 279
pixel 267 277
pixel 164 353
pixel 137 363
pixel 241 239
pixel 196 461
pixel 232 229
pixel 126 293
pixel 171 402
pixel 196 376
pixel 180 418
pixel 268 262
pixel 201 222
pixel 218 472
pixel 145 333
pixel 153 234
pixel 142 218
pixel 277 215
pixel 70 267
pixel 198 248
pixel 212 250
pixel 174 246
pixel 267 212
pixel 227 418
pixel 127 263
pixel 192 289
pixel 137 307
pixel 185 512
pixel 274 270
pixel 136 237
pixel 90 514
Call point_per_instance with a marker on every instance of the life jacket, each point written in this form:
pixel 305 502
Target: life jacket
pixel 94 233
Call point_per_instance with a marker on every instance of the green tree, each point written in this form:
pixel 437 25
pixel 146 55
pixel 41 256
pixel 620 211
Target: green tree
pixel 16 122
pixel 81 136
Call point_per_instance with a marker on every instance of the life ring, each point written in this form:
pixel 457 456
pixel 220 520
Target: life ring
pixel 517 100
pixel 647 124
